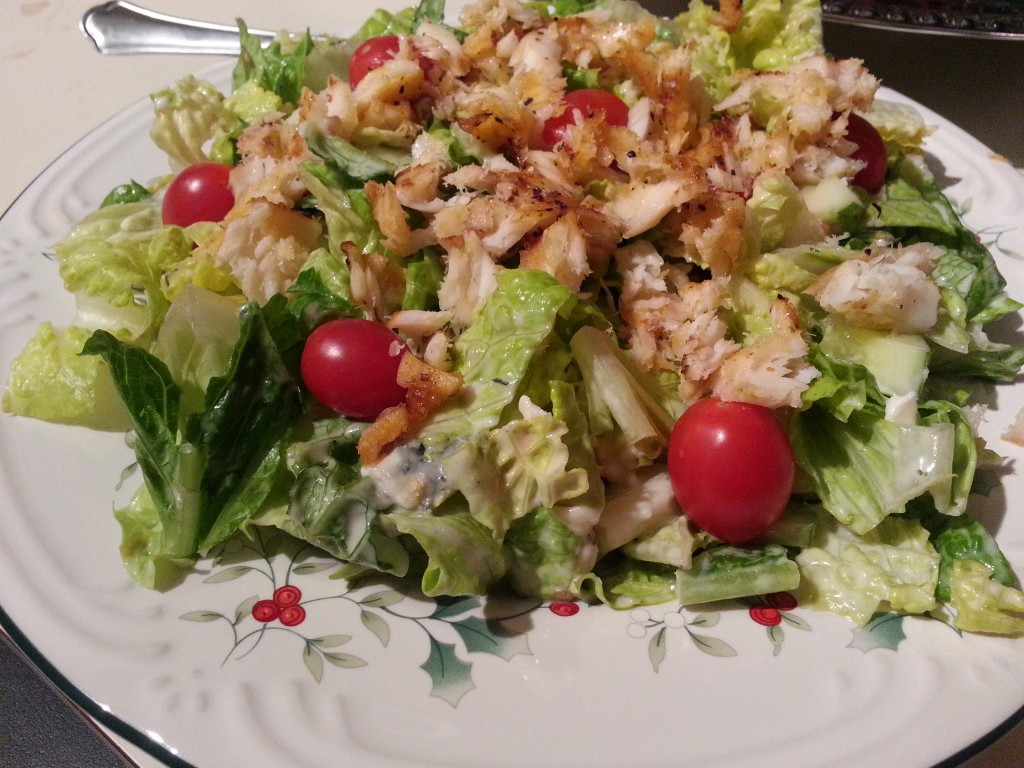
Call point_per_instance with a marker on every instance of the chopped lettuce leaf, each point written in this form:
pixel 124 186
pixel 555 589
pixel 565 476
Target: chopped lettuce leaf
pixel 620 399
pixel 892 567
pixel 781 214
pixel 132 192
pixel 187 116
pixel 196 341
pixel 776 33
pixel 347 211
pixel 494 354
pixel 251 101
pixel 544 556
pixel 963 539
pixel 984 605
pixel 672 544
pixel 280 67
pixel 206 476
pixel 901 126
pixel 712 54
pixel 114 260
pixel 331 505
pixel 52 381
pixel 866 468
pixel 623 583
pixel 725 573
pixel 463 557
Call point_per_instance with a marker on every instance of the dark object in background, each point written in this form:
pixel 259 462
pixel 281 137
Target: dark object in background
pixel 976 83
pixel 970 17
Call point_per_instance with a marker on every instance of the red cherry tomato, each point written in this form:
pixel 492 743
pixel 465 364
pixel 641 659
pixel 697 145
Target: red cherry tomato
pixel 870 151
pixel 731 468
pixel 199 193
pixel 371 53
pixel 588 102
pixel 351 366
pixel 375 52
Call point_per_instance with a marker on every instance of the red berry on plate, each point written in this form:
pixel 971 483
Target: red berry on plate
pixel 293 615
pixel 287 595
pixel 562 608
pixel 266 611
pixel 765 615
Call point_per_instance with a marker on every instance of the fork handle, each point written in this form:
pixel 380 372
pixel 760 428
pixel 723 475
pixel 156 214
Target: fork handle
pixel 118 28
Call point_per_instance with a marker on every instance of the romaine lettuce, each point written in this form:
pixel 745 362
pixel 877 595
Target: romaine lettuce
pixel 207 473
pixel 892 567
pixel 52 381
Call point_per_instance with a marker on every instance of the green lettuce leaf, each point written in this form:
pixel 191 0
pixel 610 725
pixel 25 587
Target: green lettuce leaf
pixel 982 604
pixel 865 468
pixel 331 505
pixel 781 213
pixel 207 477
pixel 114 261
pixel 544 556
pixel 52 381
pixel 463 557
pixel 776 33
pixel 622 405
pixel 280 67
pixel 963 539
pixel 196 340
pixel 187 116
pixel 345 208
pixel 622 583
pixel 495 353
pixel 892 567
pixel 132 192
pixel 725 573
pixel 901 125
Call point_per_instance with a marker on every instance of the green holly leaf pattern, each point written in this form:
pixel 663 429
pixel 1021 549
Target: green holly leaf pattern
pixel 885 630
pixel 376 625
pixel 712 645
pixel 344 660
pixel 201 616
pixel 450 608
pixel 656 649
pixel 228 574
pixel 483 636
pixel 314 661
pixel 449 675
pixel 383 599
pixel 245 608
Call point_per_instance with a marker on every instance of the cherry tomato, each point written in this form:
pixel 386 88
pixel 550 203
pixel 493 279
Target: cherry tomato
pixel 199 193
pixel 870 151
pixel 371 53
pixel 588 102
pixel 351 366
pixel 731 468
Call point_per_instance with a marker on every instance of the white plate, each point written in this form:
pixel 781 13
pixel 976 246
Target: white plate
pixel 370 680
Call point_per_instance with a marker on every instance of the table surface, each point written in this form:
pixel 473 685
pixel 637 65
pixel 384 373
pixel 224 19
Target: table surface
pixel 45 60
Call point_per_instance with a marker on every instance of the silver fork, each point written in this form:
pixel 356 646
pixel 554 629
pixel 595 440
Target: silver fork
pixel 119 28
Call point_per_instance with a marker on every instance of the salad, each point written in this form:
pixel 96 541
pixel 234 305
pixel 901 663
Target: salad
pixel 561 298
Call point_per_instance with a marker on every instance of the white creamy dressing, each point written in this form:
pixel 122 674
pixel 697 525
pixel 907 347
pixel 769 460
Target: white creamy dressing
pixel 408 479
